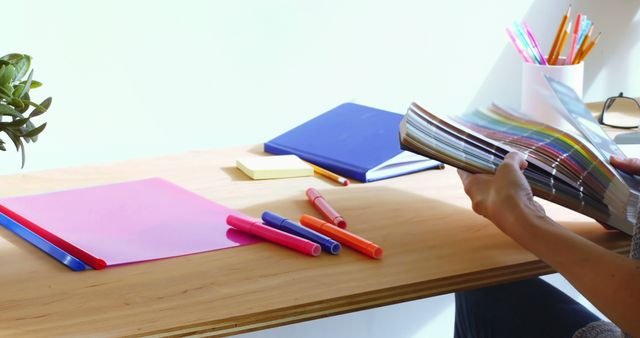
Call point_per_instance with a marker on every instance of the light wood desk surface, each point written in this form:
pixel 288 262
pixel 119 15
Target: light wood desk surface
pixel 433 244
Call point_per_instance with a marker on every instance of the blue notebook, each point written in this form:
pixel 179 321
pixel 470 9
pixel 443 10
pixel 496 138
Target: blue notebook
pixel 352 140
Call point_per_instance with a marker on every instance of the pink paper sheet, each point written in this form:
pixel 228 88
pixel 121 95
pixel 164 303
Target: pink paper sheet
pixel 132 221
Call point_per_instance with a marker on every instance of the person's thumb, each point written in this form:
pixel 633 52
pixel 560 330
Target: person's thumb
pixel 512 165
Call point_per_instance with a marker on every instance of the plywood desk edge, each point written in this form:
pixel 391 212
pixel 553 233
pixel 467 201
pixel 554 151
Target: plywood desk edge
pixel 358 302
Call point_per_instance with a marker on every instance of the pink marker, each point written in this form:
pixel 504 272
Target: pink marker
pixel 329 213
pixel 256 228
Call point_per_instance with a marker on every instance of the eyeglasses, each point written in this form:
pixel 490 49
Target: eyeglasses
pixel 620 112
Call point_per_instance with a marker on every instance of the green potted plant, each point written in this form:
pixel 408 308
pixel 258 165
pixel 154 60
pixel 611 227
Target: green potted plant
pixel 16 107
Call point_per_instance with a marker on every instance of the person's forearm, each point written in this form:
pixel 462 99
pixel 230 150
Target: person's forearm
pixel 610 281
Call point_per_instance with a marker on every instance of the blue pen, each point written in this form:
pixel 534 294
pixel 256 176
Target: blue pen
pixel 291 227
pixel 42 244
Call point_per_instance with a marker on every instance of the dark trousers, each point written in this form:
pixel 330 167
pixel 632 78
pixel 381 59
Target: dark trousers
pixel 528 308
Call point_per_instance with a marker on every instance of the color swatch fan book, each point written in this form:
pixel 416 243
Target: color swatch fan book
pixel 570 170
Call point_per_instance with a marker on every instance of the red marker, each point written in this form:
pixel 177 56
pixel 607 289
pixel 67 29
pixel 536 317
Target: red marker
pixel 329 214
pixel 255 227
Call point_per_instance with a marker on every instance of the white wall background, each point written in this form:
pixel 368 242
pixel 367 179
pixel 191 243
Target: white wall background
pixel 143 78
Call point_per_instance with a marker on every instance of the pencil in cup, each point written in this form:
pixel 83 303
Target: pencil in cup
pixel 589 48
pixel 556 42
pixel 326 173
pixel 583 46
pixel 563 40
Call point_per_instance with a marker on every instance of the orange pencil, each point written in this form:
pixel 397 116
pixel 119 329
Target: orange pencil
pixel 589 48
pixel 563 39
pixel 561 28
pixel 344 237
pixel 326 173
pixel 576 60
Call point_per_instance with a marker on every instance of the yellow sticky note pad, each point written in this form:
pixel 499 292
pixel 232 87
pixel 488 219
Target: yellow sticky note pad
pixel 279 166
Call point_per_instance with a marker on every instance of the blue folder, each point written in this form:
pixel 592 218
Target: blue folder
pixel 352 140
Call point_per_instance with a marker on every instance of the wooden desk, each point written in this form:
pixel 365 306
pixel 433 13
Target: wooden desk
pixel 433 244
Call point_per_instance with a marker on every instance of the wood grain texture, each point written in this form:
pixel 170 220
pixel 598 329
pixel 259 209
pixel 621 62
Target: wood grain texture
pixel 433 244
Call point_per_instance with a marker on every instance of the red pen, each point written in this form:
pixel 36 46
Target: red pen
pixel 329 214
pixel 255 227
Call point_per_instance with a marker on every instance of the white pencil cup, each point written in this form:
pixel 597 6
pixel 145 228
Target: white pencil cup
pixel 538 98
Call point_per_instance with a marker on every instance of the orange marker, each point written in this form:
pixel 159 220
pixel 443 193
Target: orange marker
pixel 344 237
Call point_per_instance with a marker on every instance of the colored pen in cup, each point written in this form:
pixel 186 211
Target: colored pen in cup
pixel 283 224
pixel 355 242
pixel 329 213
pixel 255 227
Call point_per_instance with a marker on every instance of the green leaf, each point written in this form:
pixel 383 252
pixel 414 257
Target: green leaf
pixel 15 123
pixel 15 139
pixel 27 127
pixel 17 143
pixel 22 155
pixel 23 109
pixel 22 65
pixel 23 130
pixel 27 86
pixel 34 84
pixel 17 89
pixel 11 57
pixel 26 99
pixel 35 131
pixel 41 108
pixel 17 103
pixel 8 89
pixel 6 92
pixel 9 111
pixel 7 75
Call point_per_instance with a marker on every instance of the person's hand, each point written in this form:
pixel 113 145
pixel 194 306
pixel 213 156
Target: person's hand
pixel 504 197
pixel 628 165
